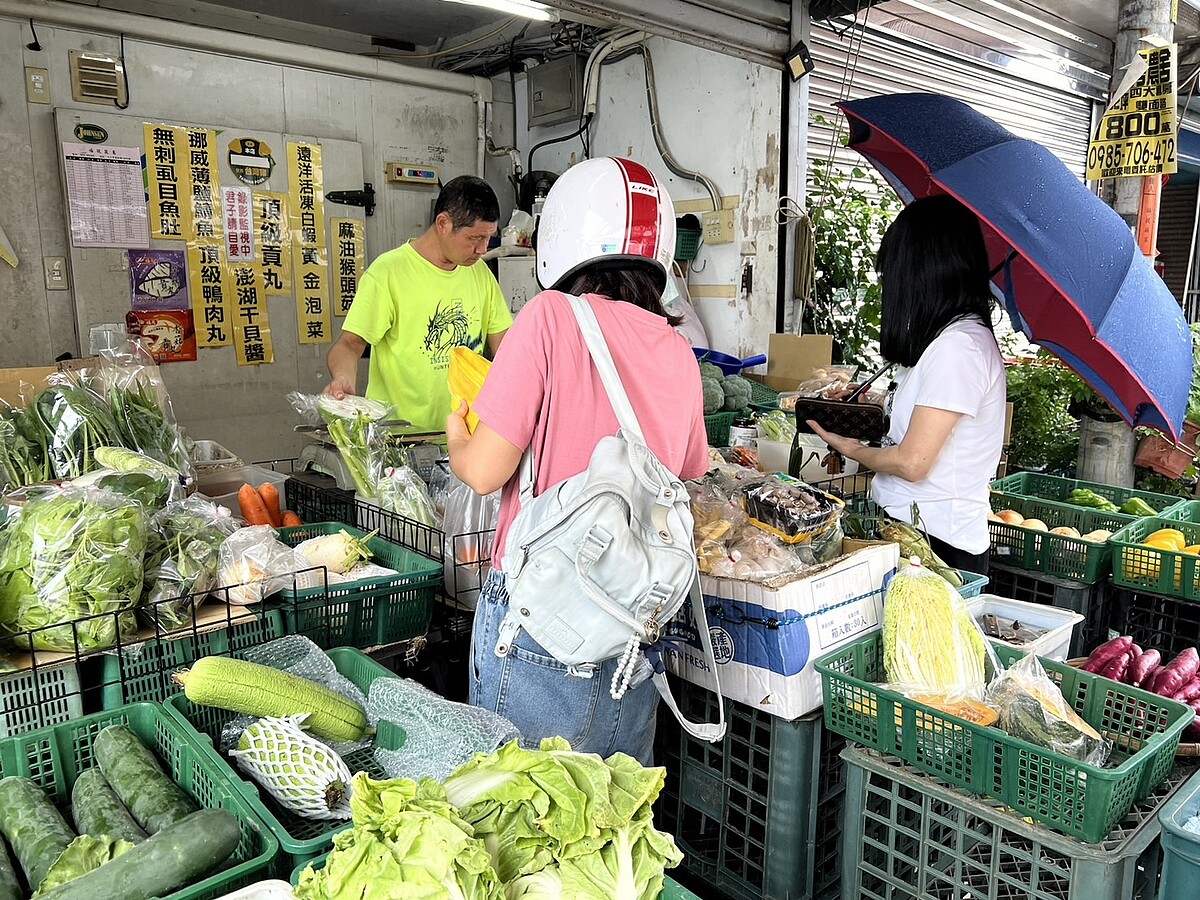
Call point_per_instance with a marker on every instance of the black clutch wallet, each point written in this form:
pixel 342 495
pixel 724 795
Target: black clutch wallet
pixel 861 421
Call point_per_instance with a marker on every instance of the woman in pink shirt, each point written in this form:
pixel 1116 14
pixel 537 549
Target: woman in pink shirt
pixel 607 233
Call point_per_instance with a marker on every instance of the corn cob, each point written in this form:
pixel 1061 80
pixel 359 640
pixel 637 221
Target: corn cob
pixel 255 690
pixel 913 543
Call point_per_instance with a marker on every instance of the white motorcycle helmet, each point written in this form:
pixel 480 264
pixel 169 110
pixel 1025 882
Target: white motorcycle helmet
pixel 606 209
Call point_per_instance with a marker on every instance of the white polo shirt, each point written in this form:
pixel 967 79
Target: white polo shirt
pixel 961 371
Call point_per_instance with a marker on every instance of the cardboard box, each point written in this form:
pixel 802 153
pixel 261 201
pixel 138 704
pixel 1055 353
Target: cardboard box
pixel 11 380
pixel 766 639
pixel 792 357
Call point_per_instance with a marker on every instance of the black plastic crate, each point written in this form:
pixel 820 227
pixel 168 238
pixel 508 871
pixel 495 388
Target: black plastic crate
pixel 1168 624
pixel 317 498
pixel 759 813
pixel 1089 600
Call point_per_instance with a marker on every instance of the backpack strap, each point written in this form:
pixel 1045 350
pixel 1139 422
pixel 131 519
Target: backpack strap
pixel 597 347
pixel 707 731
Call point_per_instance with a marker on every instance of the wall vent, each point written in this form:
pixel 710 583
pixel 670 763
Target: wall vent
pixel 96 78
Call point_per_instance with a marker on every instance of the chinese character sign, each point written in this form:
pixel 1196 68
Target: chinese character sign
pixel 205 220
pixel 349 260
pixel 1138 134
pixel 206 282
pixel 248 303
pixel 239 227
pixel 274 241
pixel 168 180
pixel 306 213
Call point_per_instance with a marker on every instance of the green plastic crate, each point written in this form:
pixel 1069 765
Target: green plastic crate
pixel 301 839
pixel 763 397
pixel 671 890
pixel 972 585
pixel 757 814
pixel 910 837
pixel 1075 798
pixel 368 612
pixel 717 427
pixel 1060 556
pixel 36 698
pixel 141 673
pixel 1037 486
pixel 1165 572
pixel 1184 511
pixel 54 757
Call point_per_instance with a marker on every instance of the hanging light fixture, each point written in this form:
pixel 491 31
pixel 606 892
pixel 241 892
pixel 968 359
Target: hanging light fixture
pixel 527 8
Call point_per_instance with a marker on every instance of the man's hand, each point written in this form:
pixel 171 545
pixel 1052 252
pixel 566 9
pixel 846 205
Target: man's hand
pixel 340 388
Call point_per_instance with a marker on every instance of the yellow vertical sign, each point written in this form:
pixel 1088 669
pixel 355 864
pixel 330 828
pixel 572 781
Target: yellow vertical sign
pixel 205 219
pixel 206 284
pixel 251 326
pixel 168 180
pixel 306 214
pixel 1138 134
pixel 274 241
pixel 349 260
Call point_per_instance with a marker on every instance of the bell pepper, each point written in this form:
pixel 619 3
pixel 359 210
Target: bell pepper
pixel 1136 506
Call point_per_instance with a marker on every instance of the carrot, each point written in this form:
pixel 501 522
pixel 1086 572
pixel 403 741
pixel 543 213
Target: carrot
pixel 270 499
pixel 251 504
pixel 291 520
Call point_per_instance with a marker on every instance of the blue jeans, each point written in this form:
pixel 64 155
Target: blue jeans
pixel 533 690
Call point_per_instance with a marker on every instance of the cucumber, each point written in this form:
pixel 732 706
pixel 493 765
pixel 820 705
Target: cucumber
pixel 10 887
pixel 35 829
pixel 97 809
pixel 178 855
pixel 153 799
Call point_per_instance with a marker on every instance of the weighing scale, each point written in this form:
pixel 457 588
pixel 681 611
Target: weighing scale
pixel 423 450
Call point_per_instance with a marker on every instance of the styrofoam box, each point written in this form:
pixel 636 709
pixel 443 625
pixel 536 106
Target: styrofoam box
pixel 211 455
pixel 221 486
pixel 262 890
pixel 1054 644
pixel 771 668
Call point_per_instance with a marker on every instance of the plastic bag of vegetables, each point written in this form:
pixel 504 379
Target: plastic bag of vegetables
pixel 72 556
pixel 1032 708
pixel 182 560
pixel 932 645
pixel 254 563
pixel 76 421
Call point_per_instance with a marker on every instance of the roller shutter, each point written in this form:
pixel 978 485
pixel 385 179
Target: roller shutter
pixel 891 63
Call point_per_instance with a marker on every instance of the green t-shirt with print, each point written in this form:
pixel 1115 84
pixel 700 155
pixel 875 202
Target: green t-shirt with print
pixel 412 313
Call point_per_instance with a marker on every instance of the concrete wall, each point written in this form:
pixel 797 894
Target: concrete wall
pixel 721 116
pixel 174 82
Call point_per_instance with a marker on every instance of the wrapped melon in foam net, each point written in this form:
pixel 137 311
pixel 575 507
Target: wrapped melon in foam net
pixel 300 772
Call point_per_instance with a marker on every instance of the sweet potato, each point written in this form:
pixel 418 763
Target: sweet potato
pixel 1177 672
pixel 1115 669
pixel 1190 691
pixel 1107 652
pixel 1143 667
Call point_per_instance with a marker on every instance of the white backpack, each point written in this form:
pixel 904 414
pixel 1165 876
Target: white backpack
pixel 598 565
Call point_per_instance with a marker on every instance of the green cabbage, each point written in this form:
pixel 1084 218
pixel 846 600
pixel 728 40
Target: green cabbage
pixel 406 834
pixel 556 818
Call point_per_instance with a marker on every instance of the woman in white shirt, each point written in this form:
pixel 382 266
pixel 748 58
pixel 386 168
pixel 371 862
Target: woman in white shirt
pixel 947 421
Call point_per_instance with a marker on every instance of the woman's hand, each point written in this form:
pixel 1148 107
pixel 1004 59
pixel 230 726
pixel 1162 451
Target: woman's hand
pixel 456 425
pixel 848 447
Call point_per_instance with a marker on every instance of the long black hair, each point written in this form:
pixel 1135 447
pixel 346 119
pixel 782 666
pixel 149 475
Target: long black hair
pixel 639 283
pixel 933 269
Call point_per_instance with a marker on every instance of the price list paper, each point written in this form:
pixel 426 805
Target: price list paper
pixel 105 198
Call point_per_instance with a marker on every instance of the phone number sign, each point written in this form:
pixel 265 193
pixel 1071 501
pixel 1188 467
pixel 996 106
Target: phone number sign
pixel 1138 133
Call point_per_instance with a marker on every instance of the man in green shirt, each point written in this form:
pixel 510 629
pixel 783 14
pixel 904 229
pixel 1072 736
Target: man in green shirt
pixel 416 302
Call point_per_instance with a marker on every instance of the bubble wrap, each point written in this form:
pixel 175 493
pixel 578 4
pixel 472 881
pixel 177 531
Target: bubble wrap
pixel 300 656
pixel 439 735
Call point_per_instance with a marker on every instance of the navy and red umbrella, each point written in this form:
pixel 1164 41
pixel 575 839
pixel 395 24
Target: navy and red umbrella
pixel 1065 264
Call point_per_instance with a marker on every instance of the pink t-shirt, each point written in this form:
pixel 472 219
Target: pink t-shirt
pixel 544 390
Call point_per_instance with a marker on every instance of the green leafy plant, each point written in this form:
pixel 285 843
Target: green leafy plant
pixel 1193 407
pixel 1045 432
pixel 850 212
